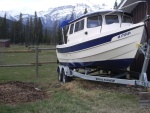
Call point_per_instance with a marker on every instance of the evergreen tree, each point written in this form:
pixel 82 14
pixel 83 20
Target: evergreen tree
pixel 14 29
pixel 39 31
pixel 0 21
pixel 59 36
pixel 3 28
pixel 54 34
pixel 0 27
pixel 85 11
pixel 73 16
pixel 20 28
pixel 5 31
pixel 45 38
pixel 115 5
pixel 31 31
pixel 23 34
pixel 35 28
pixel 27 33
pixel 65 33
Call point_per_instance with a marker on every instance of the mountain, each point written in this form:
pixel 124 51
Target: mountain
pixel 53 14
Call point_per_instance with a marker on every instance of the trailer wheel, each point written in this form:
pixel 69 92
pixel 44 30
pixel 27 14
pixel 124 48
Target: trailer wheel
pixel 60 76
pixel 65 77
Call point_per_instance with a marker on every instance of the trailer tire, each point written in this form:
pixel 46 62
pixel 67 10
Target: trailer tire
pixel 65 77
pixel 60 76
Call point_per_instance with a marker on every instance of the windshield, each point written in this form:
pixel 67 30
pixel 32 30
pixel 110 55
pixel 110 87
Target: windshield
pixel 110 19
pixel 94 21
pixel 126 19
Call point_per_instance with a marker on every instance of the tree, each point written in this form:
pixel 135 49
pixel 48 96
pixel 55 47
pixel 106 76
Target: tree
pixel 54 33
pixel 65 33
pixel 35 27
pixel 115 5
pixel 3 27
pixel 59 36
pixel 73 14
pixel 14 32
pixel 45 38
pixel 0 27
pixel 39 31
pixel 20 28
pixel 85 11
pixel 31 31
pixel 27 33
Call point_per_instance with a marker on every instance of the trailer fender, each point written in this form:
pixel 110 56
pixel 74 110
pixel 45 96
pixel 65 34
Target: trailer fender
pixel 67 71
pixel 59 69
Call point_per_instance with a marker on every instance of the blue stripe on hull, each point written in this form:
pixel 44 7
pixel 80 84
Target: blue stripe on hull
pixel 92 43
pixel 119 64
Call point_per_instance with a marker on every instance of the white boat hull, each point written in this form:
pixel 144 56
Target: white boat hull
pixel 113 50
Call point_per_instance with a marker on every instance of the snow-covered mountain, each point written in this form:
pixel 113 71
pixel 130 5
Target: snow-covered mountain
pixel 53 14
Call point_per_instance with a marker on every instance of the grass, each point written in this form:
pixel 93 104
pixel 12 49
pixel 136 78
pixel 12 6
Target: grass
pixel 78 96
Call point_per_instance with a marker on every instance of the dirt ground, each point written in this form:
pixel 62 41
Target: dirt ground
pixel 20 92
pixel 127 89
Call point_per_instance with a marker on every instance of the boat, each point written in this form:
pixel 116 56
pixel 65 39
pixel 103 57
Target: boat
pixel 103 39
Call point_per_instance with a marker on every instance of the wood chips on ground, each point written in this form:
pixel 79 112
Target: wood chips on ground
pixel 20 92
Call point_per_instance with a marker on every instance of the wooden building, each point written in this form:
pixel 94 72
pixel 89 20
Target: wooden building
pixel 4 43
pixel 138 11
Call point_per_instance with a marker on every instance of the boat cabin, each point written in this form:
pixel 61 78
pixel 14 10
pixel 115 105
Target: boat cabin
pixel 93 24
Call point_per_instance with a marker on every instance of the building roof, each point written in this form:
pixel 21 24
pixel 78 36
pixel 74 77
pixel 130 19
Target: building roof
pixel 4 40
pixel 129 5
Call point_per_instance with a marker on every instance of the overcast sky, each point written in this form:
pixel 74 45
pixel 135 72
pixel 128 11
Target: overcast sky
pixel 40 5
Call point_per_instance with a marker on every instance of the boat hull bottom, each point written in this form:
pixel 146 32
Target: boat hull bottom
pixel 119 64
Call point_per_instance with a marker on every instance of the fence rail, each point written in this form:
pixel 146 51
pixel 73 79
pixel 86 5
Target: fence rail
pixel 19 65
pixel 45 62
pixel 19 51
pixel 46 49
pixel 32 50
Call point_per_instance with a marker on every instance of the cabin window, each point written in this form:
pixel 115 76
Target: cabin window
pixel 94 21
pixel 110 19
pixel 71 28
pixel 79 25
pixel 127 19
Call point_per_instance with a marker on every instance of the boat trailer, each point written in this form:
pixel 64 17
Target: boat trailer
pixel 65 74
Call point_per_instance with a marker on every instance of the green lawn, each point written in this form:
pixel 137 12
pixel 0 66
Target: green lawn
pixel 78 96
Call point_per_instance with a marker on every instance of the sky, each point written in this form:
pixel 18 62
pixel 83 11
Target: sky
pixel 44 5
